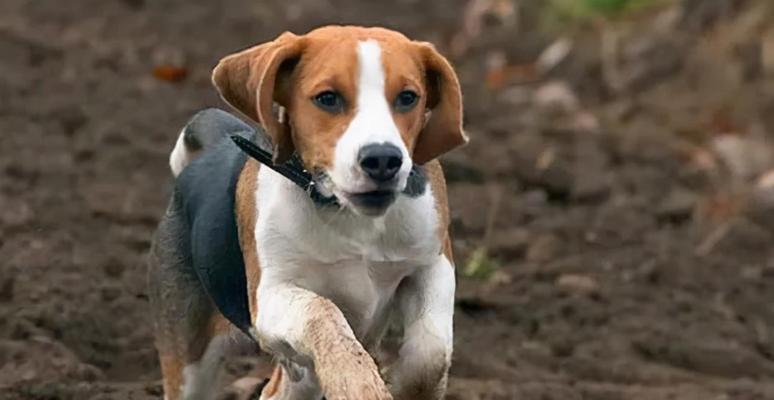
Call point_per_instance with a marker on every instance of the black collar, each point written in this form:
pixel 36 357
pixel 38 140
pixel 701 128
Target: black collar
pixel 294 170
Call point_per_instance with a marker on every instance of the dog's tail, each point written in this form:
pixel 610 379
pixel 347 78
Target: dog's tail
pixel 200 133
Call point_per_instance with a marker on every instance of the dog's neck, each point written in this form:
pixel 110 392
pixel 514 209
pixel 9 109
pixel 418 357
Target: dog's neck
pixel 328 235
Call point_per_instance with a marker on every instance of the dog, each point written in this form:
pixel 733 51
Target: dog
pixel 353 296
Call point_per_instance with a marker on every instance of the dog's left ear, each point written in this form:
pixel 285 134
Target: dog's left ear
pixel 443 131
pixel 252 80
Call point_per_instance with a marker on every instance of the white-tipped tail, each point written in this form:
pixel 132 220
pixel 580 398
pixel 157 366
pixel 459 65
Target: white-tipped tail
pixel 203 130
pixel 180 156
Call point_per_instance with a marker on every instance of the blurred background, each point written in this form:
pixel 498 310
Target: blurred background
pixel 613 215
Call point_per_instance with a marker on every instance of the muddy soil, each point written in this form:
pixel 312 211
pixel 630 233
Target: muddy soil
pixel 616 203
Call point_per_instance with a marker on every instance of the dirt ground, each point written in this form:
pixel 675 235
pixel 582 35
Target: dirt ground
pixel 614 199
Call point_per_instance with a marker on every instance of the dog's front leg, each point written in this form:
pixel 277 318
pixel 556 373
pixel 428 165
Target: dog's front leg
pixel 426 304
pixel 308 330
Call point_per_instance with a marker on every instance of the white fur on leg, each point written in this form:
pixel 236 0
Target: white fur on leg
pixel 200 379
pixel 427 308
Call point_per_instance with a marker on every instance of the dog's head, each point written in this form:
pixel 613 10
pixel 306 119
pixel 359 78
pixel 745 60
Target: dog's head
pixel 359 106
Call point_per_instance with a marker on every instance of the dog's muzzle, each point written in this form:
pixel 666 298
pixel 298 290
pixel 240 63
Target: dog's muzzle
pixel 379 164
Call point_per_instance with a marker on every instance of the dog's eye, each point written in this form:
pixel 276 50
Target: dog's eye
pixel 329 101
pixel 406 100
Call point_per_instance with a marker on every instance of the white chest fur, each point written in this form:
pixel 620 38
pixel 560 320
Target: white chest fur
pixel 355 261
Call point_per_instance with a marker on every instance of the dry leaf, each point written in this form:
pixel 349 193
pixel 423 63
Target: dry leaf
pixel 170 73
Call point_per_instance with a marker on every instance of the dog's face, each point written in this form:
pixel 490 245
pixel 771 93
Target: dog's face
pixel 359 106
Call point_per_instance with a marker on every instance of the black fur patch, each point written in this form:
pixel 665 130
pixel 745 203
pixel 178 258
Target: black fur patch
pixel 207 190
pixel 416 183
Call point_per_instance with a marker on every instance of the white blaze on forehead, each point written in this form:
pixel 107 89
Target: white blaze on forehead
pixel 372 123
pixel 370 71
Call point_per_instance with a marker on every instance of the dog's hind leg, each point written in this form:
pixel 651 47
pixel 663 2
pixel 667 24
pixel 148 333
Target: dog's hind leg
pixel 191 370
pixel 191 335
pixel 201 376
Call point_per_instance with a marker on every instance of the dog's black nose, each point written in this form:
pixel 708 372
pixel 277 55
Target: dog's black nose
pixel 380 161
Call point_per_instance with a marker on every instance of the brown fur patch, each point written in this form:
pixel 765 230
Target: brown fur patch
pixel 438 187
pixel 218 325
pixel 315 131
pixel 275 383
pixel 447 250
pixel 172 370
pixel 344 369
pixel 443 130
pixel 246 215
pixel 248 80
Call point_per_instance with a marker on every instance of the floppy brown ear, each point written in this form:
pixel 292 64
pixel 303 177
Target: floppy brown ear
pixel 443 131
pixel 249 82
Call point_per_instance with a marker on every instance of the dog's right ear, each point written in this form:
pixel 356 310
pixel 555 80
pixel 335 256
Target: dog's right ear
pixel 251 81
